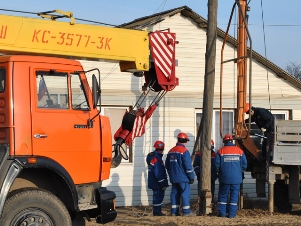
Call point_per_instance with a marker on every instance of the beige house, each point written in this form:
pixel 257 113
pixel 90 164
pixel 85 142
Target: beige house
pixel 181 109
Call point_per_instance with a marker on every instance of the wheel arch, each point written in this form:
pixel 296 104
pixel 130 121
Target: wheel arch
pixel 48 175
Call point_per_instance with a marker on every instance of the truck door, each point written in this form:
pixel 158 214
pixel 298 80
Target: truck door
pixel 60 112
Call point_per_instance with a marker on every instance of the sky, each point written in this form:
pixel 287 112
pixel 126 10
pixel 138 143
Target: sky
pixel 275 25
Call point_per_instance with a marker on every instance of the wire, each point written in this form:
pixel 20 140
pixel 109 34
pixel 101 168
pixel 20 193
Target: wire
pixel 265 54
pixel 95 22
pixel 110 72
pixel 283 25
pixel 163 3
pixel 34 13
pixel 148 23
pixel 266 25
pixel 16 11
pixel 235 35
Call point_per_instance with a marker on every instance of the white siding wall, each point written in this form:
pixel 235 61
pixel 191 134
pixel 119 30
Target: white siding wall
pixel 176 111
pixel 165 124
pixel 297 114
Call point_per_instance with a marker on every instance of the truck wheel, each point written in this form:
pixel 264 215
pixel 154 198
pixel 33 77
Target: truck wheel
pixel 281 196
pixel 32 206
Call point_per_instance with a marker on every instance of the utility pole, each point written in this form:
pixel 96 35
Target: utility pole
pixel 206 122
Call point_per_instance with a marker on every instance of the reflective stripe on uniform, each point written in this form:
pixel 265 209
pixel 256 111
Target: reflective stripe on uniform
pixel 157 204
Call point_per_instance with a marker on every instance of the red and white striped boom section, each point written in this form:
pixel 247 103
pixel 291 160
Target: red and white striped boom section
pixel 162 44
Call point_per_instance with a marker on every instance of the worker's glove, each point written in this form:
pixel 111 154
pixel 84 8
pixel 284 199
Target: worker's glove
pixel 263 130
pixel 191 181
pixel 164 188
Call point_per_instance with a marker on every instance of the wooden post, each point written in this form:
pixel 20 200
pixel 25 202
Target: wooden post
pixel 271 195
pixel 206 122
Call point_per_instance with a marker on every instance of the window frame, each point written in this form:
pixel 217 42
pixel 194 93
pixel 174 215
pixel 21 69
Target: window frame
pixel 46 73
pixel 215 135
pixel 84 91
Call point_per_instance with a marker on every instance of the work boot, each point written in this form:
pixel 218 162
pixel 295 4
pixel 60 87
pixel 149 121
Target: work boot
pixel 220 215
pixel 160 214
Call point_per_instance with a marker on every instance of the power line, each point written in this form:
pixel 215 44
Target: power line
pixel 270 25
pixel 265 53
pixel 35 13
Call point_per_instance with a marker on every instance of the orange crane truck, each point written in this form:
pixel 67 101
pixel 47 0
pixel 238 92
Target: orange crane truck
pixel 55 147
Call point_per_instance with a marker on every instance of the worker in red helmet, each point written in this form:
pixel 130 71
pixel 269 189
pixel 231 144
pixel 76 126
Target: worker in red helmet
pixel 157 177
pixel 264 120
pixel 230 162
pixel 179 167
pixel 197 169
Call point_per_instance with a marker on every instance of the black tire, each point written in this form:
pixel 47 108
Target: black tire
pixel 281 196
pixel 33 206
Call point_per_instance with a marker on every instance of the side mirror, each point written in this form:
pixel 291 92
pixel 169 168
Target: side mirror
pixel 95 91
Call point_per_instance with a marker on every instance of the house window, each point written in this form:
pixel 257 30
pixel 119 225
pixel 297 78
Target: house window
pixel 228 120
pixel 280 114
pixel 227 123
pixel 115 115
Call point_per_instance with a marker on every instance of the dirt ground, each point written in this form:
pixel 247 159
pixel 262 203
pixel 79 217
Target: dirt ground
pixel 253 213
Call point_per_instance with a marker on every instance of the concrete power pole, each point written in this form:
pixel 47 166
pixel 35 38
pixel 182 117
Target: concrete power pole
pixel 206 122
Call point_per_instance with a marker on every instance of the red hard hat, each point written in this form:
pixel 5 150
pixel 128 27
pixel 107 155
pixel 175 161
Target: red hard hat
pixel 247 107
pixel 227 137
pixel 159 144
pixel 183 136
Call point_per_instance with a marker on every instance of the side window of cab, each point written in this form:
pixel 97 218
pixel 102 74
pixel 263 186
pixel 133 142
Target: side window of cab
pixel 79 97
pixel 52 90
pixel 2 79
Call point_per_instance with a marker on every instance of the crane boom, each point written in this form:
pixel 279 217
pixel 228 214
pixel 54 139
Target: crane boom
pixel 83 41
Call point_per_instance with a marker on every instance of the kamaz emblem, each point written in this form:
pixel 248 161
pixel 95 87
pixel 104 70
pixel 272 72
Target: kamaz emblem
pixel 80 126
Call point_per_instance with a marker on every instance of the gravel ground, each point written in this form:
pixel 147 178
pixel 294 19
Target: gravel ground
pixel 254 213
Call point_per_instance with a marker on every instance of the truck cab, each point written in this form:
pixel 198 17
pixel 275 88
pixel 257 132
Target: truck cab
pixel 52 136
